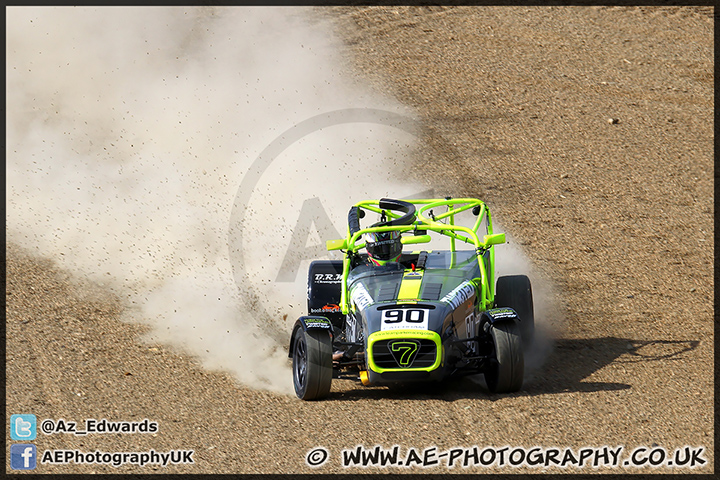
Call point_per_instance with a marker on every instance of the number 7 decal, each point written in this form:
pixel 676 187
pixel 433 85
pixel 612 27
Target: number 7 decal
pixel 405 350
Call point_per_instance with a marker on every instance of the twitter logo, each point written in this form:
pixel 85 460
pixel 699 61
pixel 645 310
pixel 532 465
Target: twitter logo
pixel 23 427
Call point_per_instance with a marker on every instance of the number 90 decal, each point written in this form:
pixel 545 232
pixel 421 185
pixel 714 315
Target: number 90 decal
pixel 412 318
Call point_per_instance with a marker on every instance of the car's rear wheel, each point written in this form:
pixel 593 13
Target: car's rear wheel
pixel 515 291
pixel 312 364
pixel 505 373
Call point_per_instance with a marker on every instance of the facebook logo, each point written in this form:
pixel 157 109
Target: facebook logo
pixel 23 427
pixel 23 457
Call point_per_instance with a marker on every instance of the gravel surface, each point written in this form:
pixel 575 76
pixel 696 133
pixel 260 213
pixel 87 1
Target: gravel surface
pixel 589 132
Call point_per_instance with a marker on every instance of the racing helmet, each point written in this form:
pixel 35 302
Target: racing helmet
pixel 383 247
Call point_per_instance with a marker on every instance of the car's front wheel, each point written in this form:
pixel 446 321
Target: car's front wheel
pixel 505 372
pixel 312 364
pixel 515 291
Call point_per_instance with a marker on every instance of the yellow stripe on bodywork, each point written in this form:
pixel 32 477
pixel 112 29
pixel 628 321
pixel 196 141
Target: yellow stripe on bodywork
pixel 410 286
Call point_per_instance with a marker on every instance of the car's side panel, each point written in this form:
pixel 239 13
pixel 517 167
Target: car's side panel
pixel 324 291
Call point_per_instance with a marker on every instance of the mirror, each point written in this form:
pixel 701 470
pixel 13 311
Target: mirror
pixel 494 239
pixel 336 244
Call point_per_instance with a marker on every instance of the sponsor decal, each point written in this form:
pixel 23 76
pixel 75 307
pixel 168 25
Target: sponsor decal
pixel 361 297
pixel 329 308
pixel 401 319
pixel 381 335
pixel 471 324
pixel 460 294
pixel 327 278
pixel 384 242
pixel 500 313
pixel 317 323
pixel 352 331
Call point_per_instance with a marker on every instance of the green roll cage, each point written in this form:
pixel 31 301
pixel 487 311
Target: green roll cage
pixel 419 228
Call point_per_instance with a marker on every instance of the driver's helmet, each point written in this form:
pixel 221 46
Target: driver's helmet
pixel 383 247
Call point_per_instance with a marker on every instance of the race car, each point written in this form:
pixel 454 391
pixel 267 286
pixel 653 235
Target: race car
pixel 384 315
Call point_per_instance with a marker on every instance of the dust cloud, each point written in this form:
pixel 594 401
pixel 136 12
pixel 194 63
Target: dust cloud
pixel 129 131
pixel 549 320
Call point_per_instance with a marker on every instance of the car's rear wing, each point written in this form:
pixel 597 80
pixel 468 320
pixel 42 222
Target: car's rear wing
pixel 398 217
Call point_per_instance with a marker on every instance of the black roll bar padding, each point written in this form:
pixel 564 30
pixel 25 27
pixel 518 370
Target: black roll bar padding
pixel 353 220
pixel 397 205
pixel 409 218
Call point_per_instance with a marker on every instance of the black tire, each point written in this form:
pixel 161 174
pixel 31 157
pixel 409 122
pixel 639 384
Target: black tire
pixel 505 374
pixel 515 291
pixel 312 364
